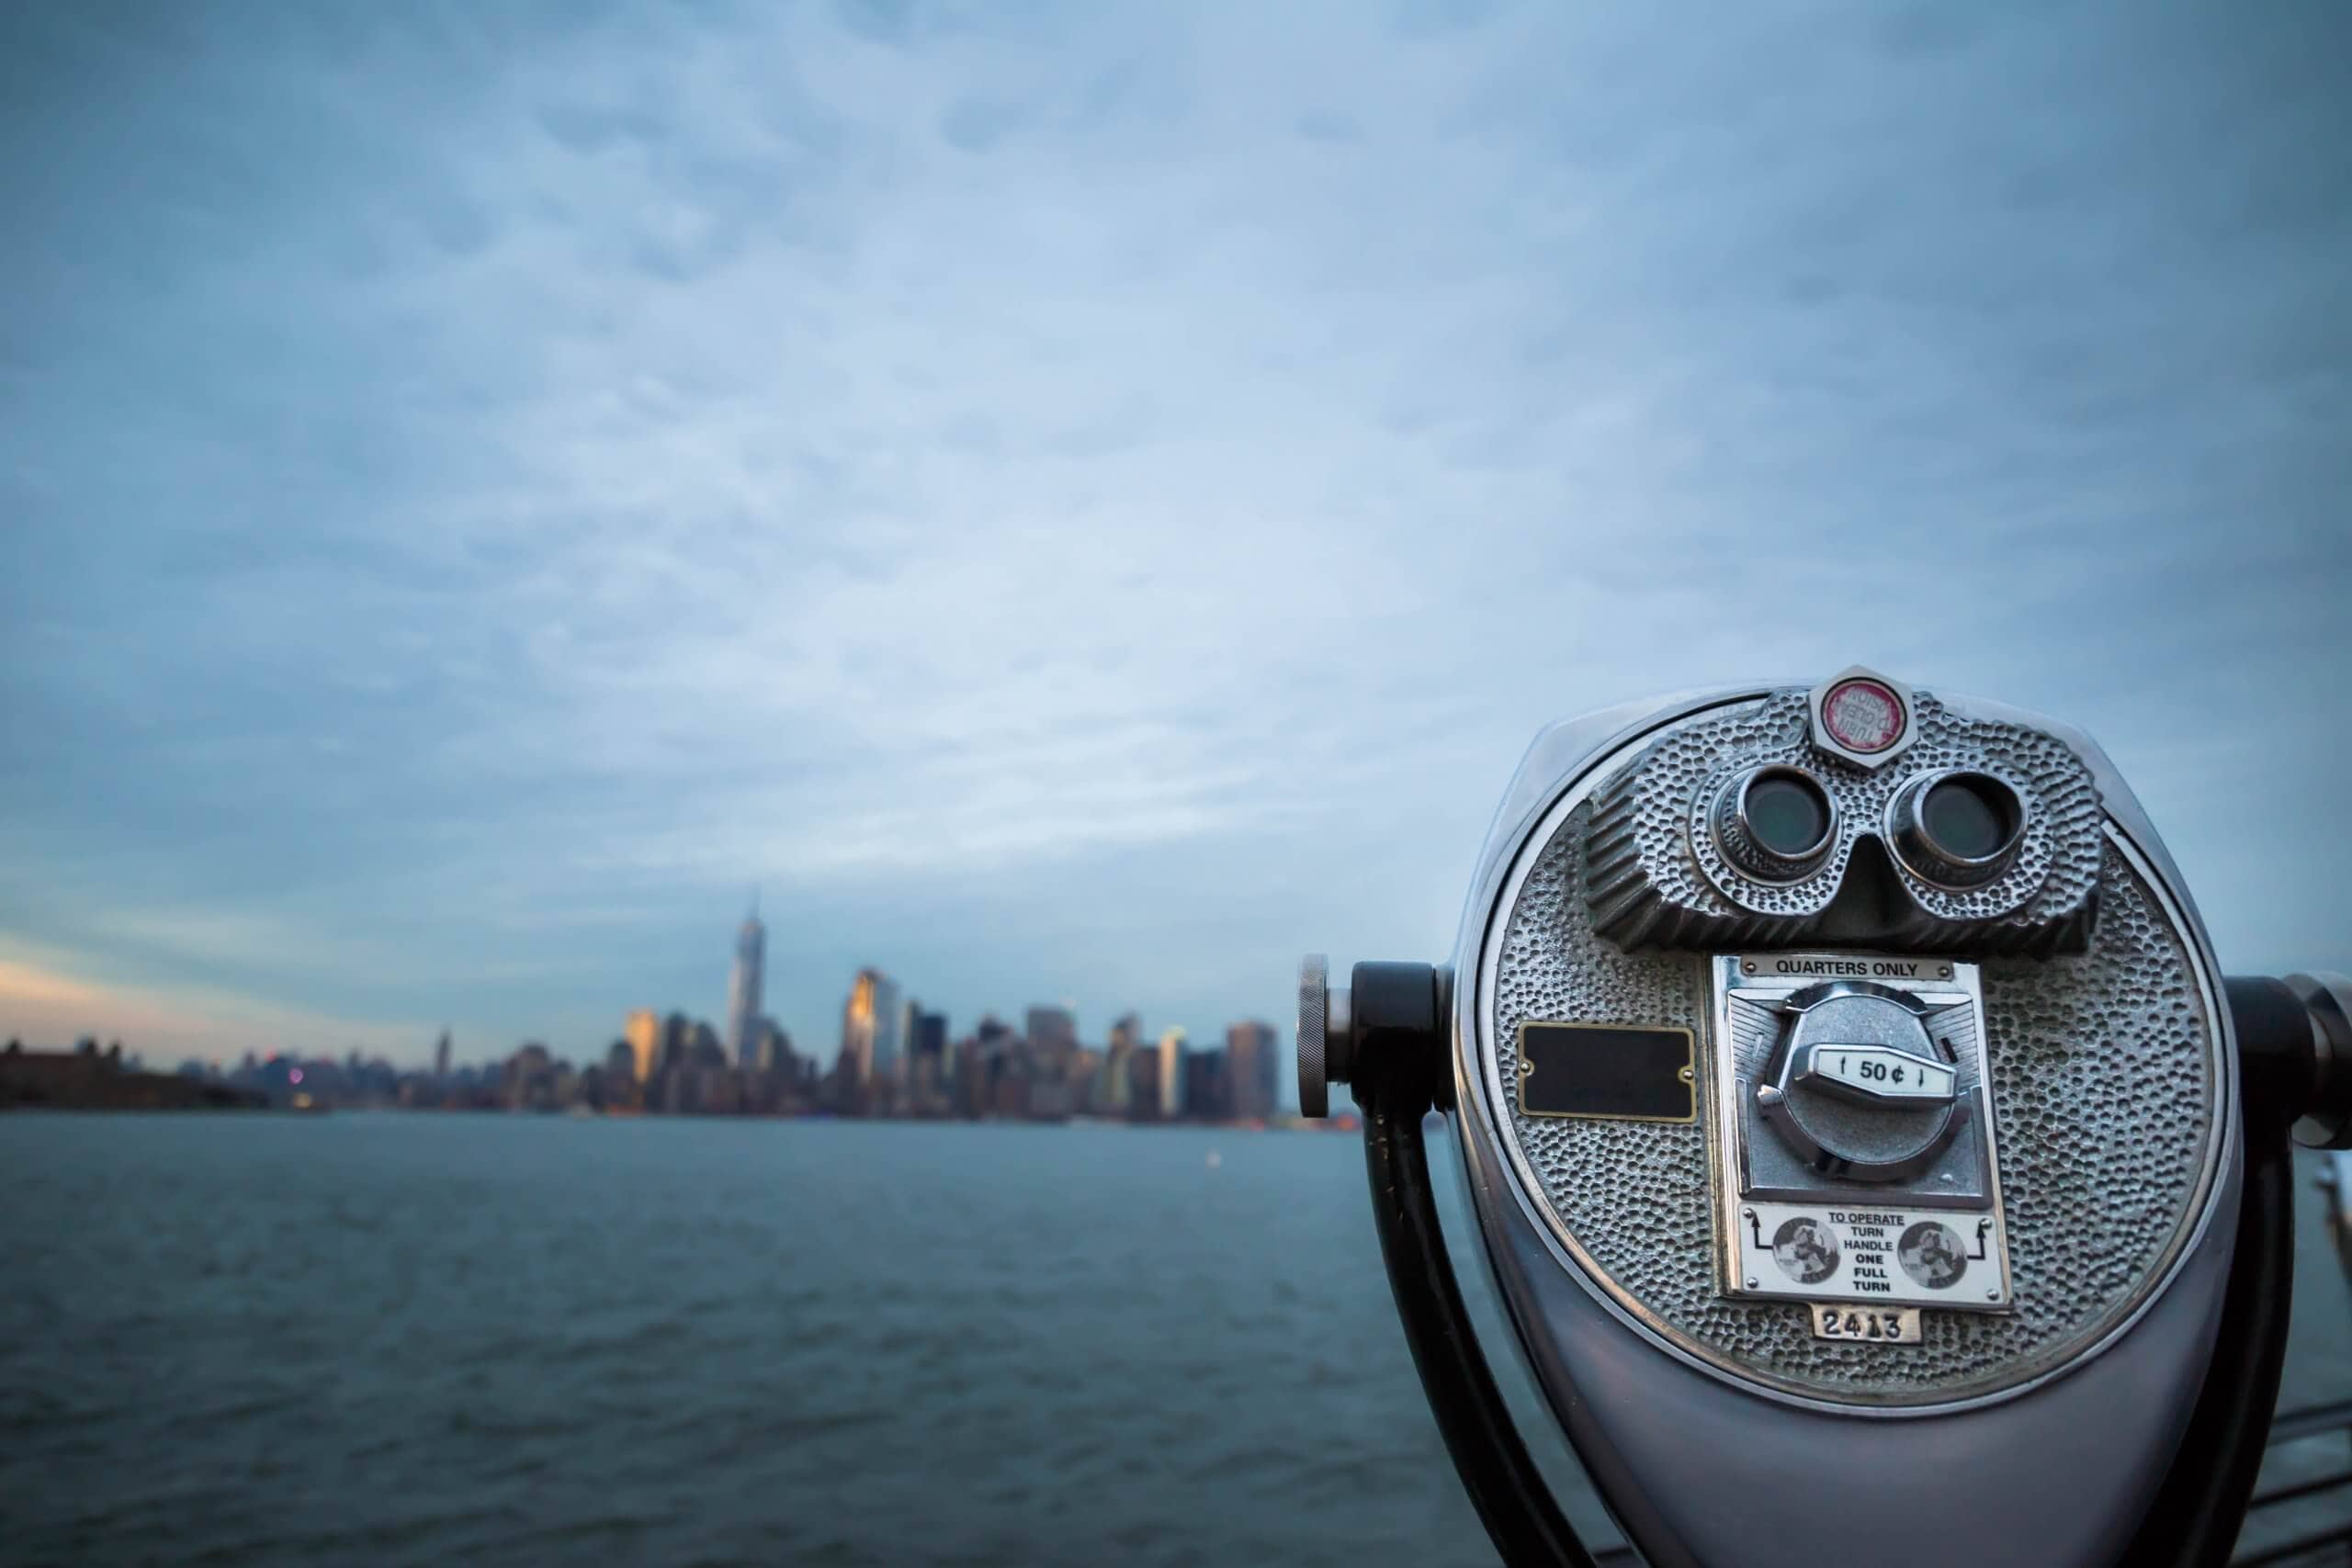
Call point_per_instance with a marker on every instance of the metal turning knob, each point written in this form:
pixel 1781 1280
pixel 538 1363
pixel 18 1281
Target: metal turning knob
pixel 1324 1040
pixel 1858 1088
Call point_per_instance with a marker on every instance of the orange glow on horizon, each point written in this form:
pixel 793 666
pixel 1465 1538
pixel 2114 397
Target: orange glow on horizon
pixel 46 1005
pixel 28 984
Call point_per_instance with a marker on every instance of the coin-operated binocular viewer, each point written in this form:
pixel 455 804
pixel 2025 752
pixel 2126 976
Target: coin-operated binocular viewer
pixel 1873 1163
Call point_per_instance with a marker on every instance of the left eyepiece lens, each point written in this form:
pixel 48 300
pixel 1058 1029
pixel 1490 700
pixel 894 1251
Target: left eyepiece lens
pixel 1775 823
pixel 1788 814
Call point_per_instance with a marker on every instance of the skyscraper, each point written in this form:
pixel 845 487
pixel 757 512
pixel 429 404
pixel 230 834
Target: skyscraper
pixel 1250 1069
pixel 928 1039
pixel 1171 1074
pixel 890 1041
pixel 772 1047
pixel 1054 1032
pixel 927 1072
pixel 677 1042
pixel 873 1025
pixel 441 1056
pixel 1112 1093
pixel 644 1037
pixel 1209 1091
pixel 744 991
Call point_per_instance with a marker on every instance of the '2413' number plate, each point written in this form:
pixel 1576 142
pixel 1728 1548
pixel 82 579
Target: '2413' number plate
pixel 1883 1326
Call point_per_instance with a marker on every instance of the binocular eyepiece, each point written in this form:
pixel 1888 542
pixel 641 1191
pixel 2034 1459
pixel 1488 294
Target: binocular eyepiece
pixel 1859 1128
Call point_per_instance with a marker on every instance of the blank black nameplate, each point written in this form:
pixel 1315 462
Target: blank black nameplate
pixel 1618 1072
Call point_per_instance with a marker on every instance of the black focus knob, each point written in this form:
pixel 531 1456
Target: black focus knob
pixel 2295 1048
pixel 1386 1019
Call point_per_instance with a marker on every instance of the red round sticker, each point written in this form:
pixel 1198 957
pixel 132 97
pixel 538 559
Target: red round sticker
pixel 1862 716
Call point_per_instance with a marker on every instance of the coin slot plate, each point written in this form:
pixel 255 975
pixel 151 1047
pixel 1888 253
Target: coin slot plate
pixel 1789 1234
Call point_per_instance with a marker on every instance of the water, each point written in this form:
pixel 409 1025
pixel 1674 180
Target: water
pixel 259 1339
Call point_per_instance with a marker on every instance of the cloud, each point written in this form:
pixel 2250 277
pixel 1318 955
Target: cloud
pixel 1075 503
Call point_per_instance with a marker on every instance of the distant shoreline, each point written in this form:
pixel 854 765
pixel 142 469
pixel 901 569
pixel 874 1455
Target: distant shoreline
pixel 42 1080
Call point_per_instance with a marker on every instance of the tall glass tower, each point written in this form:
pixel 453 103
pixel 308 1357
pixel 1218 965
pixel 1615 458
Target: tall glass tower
pixel 874 1026
pixel 743 991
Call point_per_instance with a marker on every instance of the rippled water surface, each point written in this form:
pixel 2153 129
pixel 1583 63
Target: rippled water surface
pixel 434 1339
pixel 417 1338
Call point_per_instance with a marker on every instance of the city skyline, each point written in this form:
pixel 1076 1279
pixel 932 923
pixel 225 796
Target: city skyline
pixel 895 1059
pixel 885 1037
pixel 873 998
pixel 1075 501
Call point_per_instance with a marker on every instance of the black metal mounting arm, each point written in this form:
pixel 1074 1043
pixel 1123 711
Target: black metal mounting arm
pixel 2295 1072
pixel 1399 1077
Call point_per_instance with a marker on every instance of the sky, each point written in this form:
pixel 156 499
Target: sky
pixel 1085 503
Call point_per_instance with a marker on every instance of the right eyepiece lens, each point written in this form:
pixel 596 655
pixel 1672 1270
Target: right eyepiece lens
pixel 1788 814
pixel 1970 817
pixel 1957 829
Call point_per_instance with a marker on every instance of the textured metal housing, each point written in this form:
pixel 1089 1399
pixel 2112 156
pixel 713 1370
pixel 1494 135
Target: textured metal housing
pixel 2055 1467
pixel 1657 878
pixel 2103 1077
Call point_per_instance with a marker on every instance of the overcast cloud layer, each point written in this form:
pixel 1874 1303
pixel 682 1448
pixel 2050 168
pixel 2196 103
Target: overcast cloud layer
pixel 1086 501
